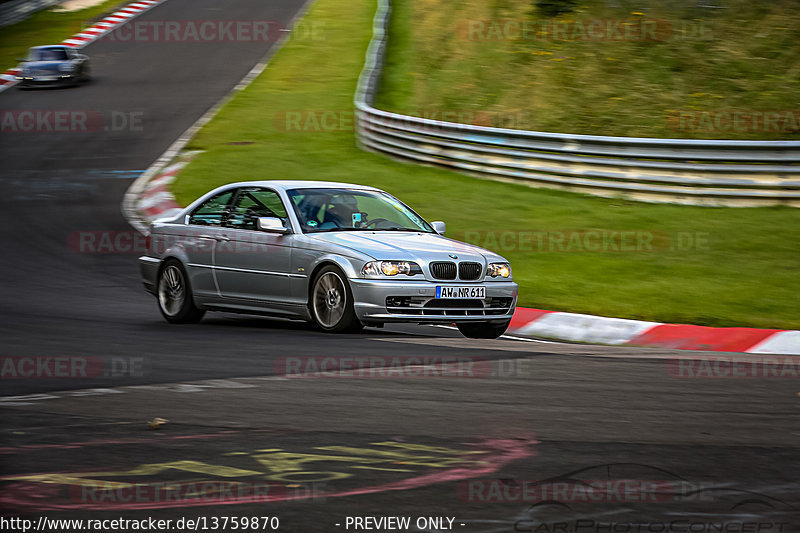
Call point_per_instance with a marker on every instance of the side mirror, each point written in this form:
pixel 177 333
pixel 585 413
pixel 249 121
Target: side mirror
pixel 271 225
pixel 439 227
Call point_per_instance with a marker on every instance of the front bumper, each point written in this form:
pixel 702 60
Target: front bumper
pixel 417 302
pixel 38 81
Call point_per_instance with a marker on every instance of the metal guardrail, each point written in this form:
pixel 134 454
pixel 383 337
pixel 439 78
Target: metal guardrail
pixel 17 10
pixel 688 171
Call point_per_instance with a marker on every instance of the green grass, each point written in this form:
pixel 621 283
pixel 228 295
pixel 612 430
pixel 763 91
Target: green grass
pixel 745 273
pixel 47 27
pixel 468 57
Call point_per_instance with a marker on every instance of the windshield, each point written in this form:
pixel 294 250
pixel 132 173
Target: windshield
pixel 321 210
pixel 48 54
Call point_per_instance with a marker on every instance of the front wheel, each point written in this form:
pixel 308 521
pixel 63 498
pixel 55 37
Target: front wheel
pixel 175 295
pixel 483 330
pixel 332 302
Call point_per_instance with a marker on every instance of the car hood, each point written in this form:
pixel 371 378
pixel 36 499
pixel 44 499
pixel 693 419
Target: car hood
pixel 420 247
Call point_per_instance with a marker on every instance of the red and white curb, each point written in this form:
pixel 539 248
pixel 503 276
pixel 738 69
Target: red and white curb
pixel 8 78
pixel 623 332
pixel 156 200
pixel 90 34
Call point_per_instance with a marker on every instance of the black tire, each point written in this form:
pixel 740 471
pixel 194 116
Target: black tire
pixel 331 302
pixel 174 294
pixel 483 330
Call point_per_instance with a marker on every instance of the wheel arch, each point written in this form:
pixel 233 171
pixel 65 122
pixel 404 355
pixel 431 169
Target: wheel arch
pixel 165 259
pixel 189 311
pixel 348 322
pixel 323 262
pixel 174 252
pixel 182 260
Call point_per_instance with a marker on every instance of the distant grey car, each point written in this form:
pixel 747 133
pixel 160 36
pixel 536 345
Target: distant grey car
pixel 343 256
pixel 53 65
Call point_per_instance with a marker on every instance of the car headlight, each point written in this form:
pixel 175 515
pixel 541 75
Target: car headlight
pixel 390 268
pixel 502 270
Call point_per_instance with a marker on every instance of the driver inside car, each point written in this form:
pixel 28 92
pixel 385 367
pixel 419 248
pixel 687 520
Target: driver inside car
pixel 342 212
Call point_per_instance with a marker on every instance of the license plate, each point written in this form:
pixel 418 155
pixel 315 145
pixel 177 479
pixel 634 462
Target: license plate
pixel 460 292
pixel 46 78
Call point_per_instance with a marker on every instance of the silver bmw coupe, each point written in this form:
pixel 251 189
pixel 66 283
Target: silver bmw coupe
pixel 343 256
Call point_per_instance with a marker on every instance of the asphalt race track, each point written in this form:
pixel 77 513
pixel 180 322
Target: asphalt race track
pixel 324 448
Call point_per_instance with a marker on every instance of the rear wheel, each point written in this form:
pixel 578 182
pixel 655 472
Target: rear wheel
pixel 175 294
pixel 332 302
pixel 483 330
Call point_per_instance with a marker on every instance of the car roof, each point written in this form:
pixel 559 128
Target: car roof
pixel 302 184
pixel 48 46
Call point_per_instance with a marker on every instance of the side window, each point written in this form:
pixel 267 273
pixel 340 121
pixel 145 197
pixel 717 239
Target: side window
pixel 213 212
pixel 252 204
